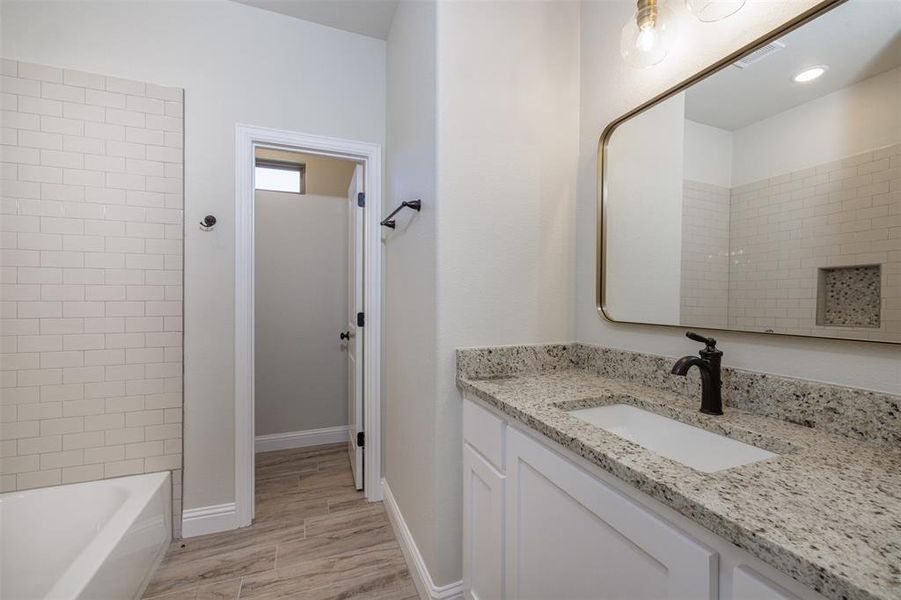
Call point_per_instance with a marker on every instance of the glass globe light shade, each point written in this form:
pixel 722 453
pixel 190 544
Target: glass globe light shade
pixel 648 36
pixel 713 10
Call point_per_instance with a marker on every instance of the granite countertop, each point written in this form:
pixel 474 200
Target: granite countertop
pixel 826 512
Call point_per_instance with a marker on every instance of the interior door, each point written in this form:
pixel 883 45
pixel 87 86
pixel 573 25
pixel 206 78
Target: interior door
pixel 355 333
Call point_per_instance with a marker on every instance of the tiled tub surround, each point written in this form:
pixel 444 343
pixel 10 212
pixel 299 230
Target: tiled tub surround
pixel 784 229
pixel 827 512
pixel 704 296
pixel 91 258
pixel 753 255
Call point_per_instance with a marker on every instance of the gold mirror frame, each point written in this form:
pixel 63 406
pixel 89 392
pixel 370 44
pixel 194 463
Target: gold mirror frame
pixel 802 19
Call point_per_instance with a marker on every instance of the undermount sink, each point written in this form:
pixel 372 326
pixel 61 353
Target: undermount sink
pixel 692 446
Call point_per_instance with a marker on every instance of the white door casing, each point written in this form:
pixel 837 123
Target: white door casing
pixel 355 357
pixel 247 139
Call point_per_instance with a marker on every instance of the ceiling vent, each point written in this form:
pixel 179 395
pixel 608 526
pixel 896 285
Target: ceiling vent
pixel 758 55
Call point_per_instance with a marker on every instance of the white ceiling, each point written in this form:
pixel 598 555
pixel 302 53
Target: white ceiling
pixel 857 40
pixel 367 17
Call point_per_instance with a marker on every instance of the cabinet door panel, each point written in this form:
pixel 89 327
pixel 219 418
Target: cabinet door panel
pixel 572 537
pixel 484 431
pixel 483 528
pixel 748 584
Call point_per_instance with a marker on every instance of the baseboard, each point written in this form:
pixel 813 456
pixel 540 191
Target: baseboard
pixel 301 439
pixel 415 563
pixel 208 519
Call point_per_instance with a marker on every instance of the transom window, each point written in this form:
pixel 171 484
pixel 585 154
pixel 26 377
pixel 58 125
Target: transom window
pixel 280 176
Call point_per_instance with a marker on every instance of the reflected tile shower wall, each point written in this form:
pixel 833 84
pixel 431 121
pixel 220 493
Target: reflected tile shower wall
pixel 705 255
pixel 91 257
pixel 786 230
pixel 812 252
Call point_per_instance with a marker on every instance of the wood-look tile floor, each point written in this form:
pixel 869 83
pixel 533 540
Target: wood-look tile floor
pixel 314 538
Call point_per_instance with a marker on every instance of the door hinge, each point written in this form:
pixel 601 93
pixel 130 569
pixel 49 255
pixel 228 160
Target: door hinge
pixel 361 199
pixel 361 439
pixel 361 319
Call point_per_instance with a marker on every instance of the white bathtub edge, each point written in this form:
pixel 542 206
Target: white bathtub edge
pixel 208 519
pixel 156 565
pixel 92 566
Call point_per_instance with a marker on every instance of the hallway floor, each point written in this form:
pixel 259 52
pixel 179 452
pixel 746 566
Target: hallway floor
pixel 314 538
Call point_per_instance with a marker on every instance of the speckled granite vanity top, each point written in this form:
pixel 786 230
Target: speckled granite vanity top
pixel 827 511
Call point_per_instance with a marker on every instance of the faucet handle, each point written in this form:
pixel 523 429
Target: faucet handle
pixel 709 342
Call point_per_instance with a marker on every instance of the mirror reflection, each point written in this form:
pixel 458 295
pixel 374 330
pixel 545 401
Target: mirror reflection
pixel 767 196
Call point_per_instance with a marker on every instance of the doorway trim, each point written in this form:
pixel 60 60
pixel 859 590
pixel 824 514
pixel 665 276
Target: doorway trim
pixel 247 139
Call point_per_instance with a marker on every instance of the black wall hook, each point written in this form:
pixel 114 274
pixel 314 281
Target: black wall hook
pixel 390 222
pixel 208 222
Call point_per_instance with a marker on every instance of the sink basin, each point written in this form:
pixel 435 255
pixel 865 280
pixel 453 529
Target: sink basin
pixel 692 446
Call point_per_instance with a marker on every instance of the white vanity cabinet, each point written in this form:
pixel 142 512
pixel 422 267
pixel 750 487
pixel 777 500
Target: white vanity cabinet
pixel 750 585
pixel 542 524
pixel 572 536
pixel 483 530
pixel 483 496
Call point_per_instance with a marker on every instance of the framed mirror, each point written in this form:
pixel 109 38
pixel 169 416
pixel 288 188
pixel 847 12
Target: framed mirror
pixel 764 194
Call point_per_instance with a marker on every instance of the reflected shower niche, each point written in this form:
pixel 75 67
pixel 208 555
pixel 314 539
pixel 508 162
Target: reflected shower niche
pixel 849 296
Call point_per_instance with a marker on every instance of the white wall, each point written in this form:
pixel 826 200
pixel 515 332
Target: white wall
pixel 609 89
pixel 644 214
pixel 508 115
pixel 849 121
pixel 237 64
pixel 408 401
pixel 708 154
pixel 301 307
pixel 489 260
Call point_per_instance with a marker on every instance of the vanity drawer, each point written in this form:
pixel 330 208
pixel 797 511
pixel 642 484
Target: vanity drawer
pixel 484 431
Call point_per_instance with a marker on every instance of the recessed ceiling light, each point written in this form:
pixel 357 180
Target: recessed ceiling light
pixel 809 74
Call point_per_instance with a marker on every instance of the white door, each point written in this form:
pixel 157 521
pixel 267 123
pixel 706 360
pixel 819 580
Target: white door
pixel 355 333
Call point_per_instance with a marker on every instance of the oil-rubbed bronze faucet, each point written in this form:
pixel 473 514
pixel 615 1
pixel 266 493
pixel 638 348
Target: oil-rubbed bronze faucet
pixel 709 366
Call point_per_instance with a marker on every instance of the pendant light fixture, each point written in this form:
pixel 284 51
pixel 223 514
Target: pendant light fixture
pixel 647 37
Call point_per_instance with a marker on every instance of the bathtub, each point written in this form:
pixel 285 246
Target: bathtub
pixel 99 540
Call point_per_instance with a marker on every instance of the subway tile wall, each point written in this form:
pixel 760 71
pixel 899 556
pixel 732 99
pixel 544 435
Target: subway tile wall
pixel 91 259
pixel 779 234
pixel 705 255
pixel 785 229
